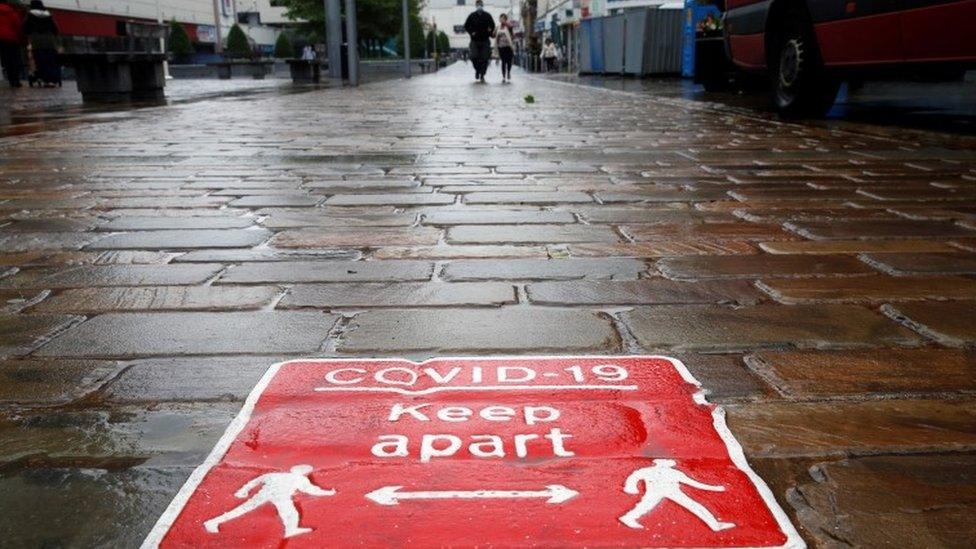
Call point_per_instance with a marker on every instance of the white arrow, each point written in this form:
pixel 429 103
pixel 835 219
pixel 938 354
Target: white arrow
pixel 390 495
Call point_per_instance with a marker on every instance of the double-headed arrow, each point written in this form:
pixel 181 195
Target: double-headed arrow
pixel 391 495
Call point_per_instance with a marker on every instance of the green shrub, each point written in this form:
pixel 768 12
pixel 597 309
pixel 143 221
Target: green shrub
pixel 443 42
pixel 237 45
pixel 179 42
pixel 283 49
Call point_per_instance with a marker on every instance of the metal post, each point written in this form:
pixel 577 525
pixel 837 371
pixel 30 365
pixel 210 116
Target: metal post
pixel 333 38
pixel 352 38
pixel 162 42
pixel 218 43
pixel 406 40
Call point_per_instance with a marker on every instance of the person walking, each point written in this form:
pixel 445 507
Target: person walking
pixel 504 43
pixel 42 36
pixel 11 38
pixel 549 55
pixel 480 26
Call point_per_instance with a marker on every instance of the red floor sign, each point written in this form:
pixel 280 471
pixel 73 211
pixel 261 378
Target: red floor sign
pixel 513 452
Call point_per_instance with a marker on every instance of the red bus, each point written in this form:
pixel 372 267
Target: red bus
pixel 808 46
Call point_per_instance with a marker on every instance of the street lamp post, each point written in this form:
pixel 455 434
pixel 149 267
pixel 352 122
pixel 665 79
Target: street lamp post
pixel 406 40
pixel 352 39
pixel 162 41
pixel 333 37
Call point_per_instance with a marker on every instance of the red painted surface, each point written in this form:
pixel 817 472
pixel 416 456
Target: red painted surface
pixel 79 23
pixel 940 33
pixel 611 416
pixel 748 50
pixel 864 40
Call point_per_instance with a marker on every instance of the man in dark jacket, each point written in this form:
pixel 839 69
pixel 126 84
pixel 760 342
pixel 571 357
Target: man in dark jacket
pixel 480 27
pixel 10 43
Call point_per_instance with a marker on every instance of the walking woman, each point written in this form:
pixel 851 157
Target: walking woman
pixel 504 43
pixel 42 35
pixel 549 55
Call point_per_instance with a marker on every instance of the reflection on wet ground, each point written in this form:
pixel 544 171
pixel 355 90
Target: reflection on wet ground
pixel 942 106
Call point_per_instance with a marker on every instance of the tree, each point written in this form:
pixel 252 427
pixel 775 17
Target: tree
pixel 283 49
pixel 237 45
pixel 179 42
pixel 416 37
pixel 443 42
pixel 377 19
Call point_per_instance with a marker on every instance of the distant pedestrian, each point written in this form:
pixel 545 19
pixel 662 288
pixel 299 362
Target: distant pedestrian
pixel 549 55
pixel 11 38
pixel 504 43
pixel 480 26
pixel 308 53
pixel 42 35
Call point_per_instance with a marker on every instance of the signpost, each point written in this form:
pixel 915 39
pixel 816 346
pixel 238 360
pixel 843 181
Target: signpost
pixel 507 452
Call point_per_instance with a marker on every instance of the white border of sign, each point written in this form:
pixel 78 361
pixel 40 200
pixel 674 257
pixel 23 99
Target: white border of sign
pixel 165 522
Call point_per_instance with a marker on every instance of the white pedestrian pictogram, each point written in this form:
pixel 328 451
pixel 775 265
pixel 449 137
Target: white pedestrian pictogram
pixel 278 489
pixel 662 481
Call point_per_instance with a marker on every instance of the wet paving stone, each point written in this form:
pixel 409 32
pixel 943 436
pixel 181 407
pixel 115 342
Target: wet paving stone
pixel 909 264
pixel 810 374
pixel 508 330
pixel 289 219
pixel 158 298
pixel 855 246
pixel 32 242
pixel 404 199
pixel 192 379
pixel 398 295
pixel 762 265
pixel 70 506
pixel 459 252
pixel 120 335
pixel 868 289
pixel 19 334
pixel 276 201
pixel 707 231
pixel 265 255
pixel 542 269
pixel 49 382
pixel 530 234
pixel 714 329
pixel 497 217
pixel 950 324
pixel 527 198
pixel 661 249
pixel 846 230
pixel 358 237
pixel 641 292
pixel 84 276
pixel 188 239
pixel 886 500
pixel 328 271
pixel 819 429
pixel 161 223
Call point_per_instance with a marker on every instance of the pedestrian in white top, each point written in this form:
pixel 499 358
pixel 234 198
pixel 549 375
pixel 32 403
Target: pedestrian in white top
pixel 504 43
pixel 549 55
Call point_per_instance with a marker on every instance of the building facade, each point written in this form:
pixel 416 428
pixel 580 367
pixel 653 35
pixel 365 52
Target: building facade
pixel 204 20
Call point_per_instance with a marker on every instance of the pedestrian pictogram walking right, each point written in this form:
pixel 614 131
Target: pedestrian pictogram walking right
pixel 500 452
pixel 663 482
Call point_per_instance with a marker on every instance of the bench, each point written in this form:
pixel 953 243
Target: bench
pixel 257 69
pixel 305 70
pixel 110 77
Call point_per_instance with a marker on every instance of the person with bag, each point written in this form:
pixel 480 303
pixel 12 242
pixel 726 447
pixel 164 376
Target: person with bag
pixel 504 43
pixel 11 39
pixel 42 35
